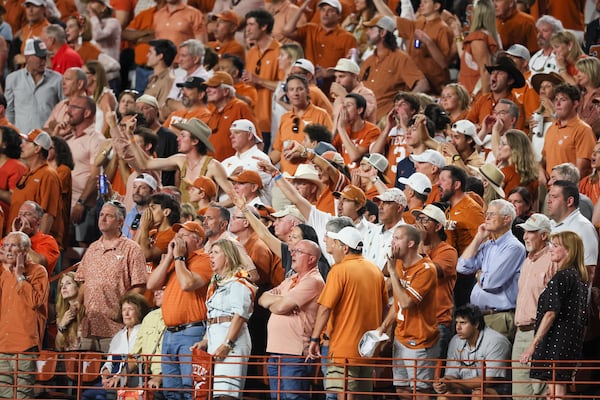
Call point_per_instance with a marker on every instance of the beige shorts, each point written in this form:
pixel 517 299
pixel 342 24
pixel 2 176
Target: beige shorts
pixel 359 378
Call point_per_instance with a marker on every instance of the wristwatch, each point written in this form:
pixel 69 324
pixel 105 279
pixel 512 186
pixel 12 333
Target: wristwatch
pixel 21 278
pixel 180 258
pixel 456 157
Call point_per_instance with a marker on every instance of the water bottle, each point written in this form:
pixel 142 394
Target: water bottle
pixel 102 183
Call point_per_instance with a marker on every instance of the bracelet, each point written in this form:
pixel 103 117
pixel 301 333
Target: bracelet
pixel 61 329
pixel 310 154
pixel 459 39
pixel 277 177
pixel 180 258
pixel 315 340
pixel 80 201
pixel 274 174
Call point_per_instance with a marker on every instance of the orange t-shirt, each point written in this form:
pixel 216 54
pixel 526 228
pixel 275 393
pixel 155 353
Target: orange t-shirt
pixel 325 48
pixel 312 115
pixel 265 66
pixel 468 75
pixel 442 36
pixel 416 326
pixel 180 24
pixel 462 221
pixel 220 122
pixel 32 31
pixel 387 73
pixel 445 258
pixel 319 99
pixel 570 13
pixel 182 307
pixel 363 139
pixel 268 265
pixel 518 29
pixel 356 294
pixel 326 201
pixel 142 21
pixel 567 143
pixel 591 190
pixel 484 104
pixel 232 47
pixel 248 91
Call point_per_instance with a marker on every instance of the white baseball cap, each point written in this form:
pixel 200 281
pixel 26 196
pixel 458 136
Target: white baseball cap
pixel 245 125
pixel 429 156
pixel 349 235
pixel 333 3
pixel 418 182
pixel 432 212
pixel 305 65
pixel 147 179
pixel 467 128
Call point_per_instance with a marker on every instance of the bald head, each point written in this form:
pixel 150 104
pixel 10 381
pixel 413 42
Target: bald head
pixel 305 256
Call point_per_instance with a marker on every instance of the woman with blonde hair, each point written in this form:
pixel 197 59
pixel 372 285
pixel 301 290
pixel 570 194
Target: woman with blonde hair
pixel 229 303
pixel 567 51
pixel 99 90
pixel 456 101
pixel 561 317
pixel 517 162
pixel 478 48
pixel 588 80
pixel 288 54
pixel 69 313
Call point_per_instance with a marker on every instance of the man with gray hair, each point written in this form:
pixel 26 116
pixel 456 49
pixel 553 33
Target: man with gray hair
pixel 569 172
pixel 495 256
pixel 190 57
pixel 111 267
pixel 544 60
pixel 536 272
pixel 62 55
pixel 24 292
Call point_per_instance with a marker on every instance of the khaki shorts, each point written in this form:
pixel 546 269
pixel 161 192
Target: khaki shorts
pixel 357 378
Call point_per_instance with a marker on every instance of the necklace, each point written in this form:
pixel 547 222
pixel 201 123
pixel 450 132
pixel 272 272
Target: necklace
pixel 535 64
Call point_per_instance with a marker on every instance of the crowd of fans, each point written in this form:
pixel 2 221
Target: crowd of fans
pixel 278 179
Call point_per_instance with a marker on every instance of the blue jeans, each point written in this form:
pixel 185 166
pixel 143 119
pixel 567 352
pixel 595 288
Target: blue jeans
pixel 177 361
pixel 293 367
pixel 325 361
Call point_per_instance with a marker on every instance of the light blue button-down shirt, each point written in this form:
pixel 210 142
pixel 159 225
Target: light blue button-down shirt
pixel 500 263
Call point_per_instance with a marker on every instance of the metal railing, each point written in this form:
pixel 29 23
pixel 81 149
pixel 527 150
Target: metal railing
pixel 70 374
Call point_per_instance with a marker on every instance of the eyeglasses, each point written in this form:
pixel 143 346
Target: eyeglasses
pixel 296 127
pixel 299 251
pixel 423 219
pixel 136 222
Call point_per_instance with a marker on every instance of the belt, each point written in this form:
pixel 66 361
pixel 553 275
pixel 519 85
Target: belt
pixel 490 311
pixel 178 328
pixel 526 328
pixel 220 320
pixel 147 68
